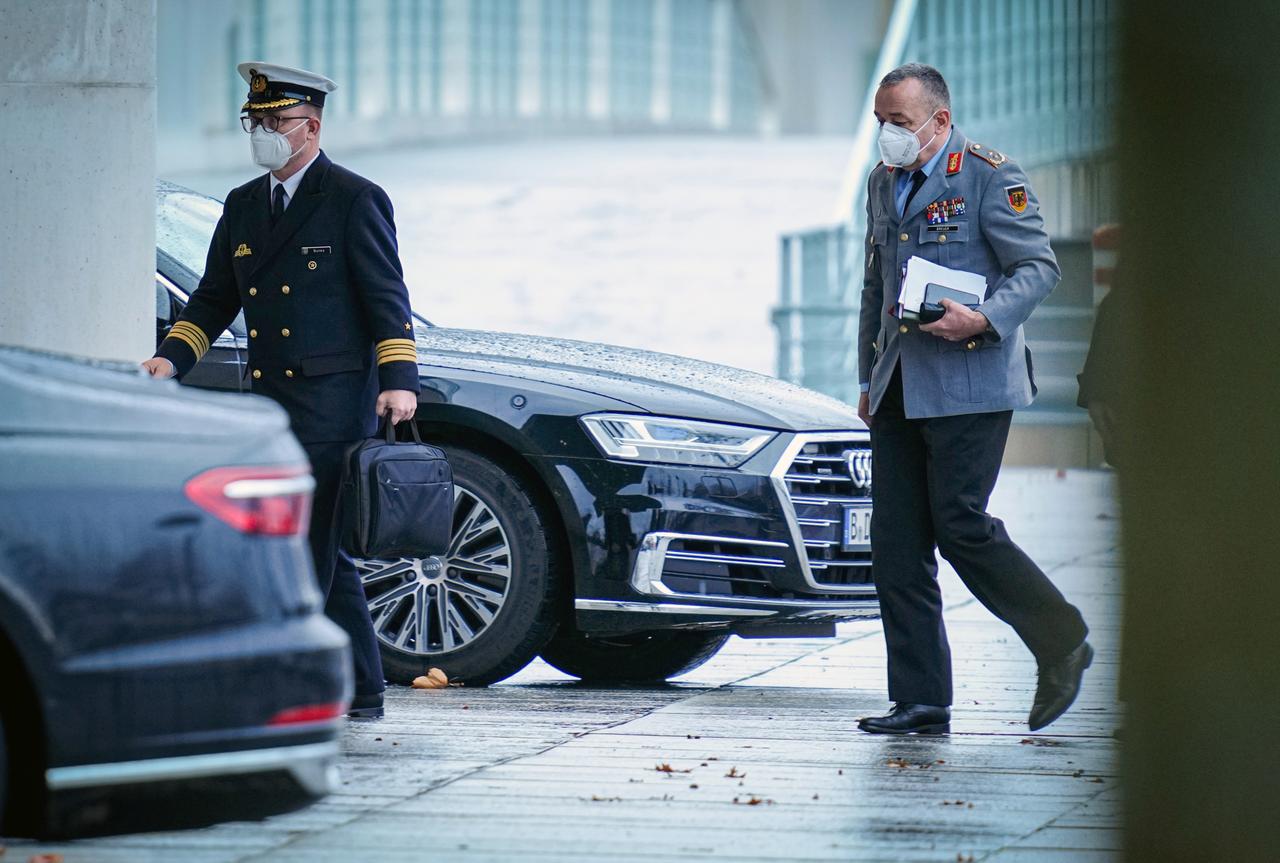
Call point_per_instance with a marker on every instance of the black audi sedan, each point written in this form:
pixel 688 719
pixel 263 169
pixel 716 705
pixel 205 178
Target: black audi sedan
pixel 618 511
pixel 163 654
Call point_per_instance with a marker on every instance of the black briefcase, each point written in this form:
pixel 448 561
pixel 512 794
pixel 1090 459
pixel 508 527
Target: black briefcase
pixel 399 496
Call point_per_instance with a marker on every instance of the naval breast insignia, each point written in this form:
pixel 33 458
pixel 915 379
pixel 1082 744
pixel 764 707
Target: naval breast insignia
pixel 1017 196
pixel 988 155
pixel 243 250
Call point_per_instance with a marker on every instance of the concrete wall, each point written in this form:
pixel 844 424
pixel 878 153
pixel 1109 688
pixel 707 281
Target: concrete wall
pixel 818 56
pixel 77 198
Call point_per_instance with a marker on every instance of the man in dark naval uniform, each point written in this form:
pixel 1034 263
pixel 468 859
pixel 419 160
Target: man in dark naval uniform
pixel 309 252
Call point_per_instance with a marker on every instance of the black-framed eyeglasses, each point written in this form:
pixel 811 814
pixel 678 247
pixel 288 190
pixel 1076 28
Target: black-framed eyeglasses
pixel 270 122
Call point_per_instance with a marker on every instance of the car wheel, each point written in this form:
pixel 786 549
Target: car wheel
pixel 481 611
pixel 643 657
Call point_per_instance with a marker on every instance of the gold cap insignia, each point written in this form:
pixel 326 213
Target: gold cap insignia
pixel 243 250
pixel 258 84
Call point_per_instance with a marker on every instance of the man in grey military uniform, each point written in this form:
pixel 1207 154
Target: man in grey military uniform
pixel 939 398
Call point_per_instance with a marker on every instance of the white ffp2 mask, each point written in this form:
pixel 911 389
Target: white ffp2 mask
pixel 271 149
pixel 899 147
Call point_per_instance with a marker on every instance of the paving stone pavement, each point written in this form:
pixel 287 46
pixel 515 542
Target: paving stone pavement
pixel 765 762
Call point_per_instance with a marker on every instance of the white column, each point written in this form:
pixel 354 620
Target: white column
pixel 721 58
pixel 660 101
pixel 455 45
pixel 77 196
pixel 529 83
pixel 598 60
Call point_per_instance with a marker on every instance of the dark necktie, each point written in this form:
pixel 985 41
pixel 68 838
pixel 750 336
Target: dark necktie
pixel 917 180
pixel 277 204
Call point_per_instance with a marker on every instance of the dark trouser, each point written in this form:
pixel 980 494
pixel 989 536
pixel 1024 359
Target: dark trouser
pixel 933 478
pixel 336 572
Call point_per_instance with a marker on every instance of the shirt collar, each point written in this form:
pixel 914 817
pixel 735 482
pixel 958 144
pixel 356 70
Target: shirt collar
pixel 295 180
pixel 927 167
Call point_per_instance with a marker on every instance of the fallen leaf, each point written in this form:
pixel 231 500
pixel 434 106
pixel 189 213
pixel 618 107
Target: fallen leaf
pixel 664 767
pixel 734 774
pixel 694 785
pixel 433 679
pixel 46 858
pixel 598 799
pixel 815 797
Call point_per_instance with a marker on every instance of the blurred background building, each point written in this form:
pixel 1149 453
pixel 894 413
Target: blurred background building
pixel 1036 80
pixel 415 70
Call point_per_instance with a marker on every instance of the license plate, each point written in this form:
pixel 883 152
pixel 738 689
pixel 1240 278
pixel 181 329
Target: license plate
pixel 856 535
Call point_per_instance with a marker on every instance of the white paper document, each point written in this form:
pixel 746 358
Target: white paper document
pixel 921 272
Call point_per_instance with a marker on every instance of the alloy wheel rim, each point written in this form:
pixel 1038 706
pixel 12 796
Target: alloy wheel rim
pixel 434 605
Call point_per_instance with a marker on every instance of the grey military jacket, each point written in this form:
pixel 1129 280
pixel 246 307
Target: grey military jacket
pixel 1000 234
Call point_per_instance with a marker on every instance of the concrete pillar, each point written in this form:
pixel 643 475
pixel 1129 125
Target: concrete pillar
pixel 1198 276
pixel 77 187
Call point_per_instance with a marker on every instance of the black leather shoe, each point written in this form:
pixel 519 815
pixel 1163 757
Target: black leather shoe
pixel 1058 686
pixel 366 707
pixel 909 719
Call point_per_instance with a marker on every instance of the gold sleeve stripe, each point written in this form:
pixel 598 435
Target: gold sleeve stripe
pixel 192 335
pixel 201 339
pixel 396 344
pixel 395 358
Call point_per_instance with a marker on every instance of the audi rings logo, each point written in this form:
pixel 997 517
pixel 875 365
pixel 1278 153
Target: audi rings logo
pixel 859 463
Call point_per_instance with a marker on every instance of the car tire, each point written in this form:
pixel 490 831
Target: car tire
pixel 497 526
pixel 639 658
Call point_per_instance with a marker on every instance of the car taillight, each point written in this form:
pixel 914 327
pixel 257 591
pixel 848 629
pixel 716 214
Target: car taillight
pixel 274 501
pixel 309 713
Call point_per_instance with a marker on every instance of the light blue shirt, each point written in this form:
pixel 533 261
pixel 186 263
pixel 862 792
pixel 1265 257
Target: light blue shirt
pixel 901 190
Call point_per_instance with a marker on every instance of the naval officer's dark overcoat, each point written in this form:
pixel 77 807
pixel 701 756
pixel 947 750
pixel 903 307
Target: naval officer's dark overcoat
pixel 323 296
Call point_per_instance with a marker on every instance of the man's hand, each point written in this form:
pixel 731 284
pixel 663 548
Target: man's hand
pixel 159 367
pixel 400 404
pixel 864 408
pixel 958 323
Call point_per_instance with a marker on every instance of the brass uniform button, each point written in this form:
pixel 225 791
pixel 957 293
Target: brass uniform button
pixel 970 345
pixel 902 238
pixel 253 292
pixel 942 238
pixel 904 329
pixel 257 373
pixel 285 289
pixel 285 332
pixel 253 334
pixel 311 265
pixel 288 373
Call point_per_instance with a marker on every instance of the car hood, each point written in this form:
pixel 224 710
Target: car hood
pixel 654 382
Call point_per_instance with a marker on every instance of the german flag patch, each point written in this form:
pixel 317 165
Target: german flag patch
pixel 1017 197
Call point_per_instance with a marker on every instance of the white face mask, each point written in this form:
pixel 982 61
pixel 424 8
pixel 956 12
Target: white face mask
pixel 271 149
pixel 899 147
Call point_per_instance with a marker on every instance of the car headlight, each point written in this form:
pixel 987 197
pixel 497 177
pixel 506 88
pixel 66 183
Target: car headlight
pixel 674 441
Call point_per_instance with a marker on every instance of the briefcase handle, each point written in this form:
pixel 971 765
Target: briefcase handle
pixel 389 430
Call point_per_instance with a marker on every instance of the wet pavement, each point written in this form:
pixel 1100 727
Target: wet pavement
pixel 752 757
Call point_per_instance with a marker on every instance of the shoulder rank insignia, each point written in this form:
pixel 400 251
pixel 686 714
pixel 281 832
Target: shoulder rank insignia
pixel 954 161
pixel 988 155
pixel 243 250
pixel 1017 197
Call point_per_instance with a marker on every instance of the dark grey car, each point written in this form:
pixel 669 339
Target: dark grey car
pixel 163 655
